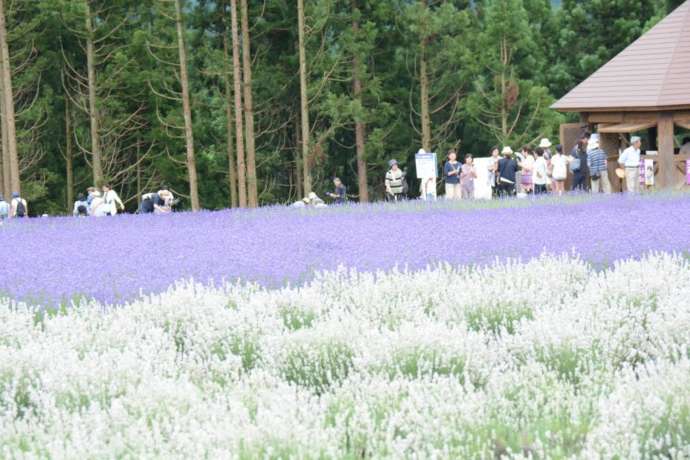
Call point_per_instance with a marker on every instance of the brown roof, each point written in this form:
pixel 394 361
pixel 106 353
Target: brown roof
pixel 651 74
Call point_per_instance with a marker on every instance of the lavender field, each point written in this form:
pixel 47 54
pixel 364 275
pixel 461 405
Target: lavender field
pixel 408 331
pixel 58 260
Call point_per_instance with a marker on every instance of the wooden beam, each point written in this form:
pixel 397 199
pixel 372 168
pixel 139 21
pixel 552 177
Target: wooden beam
pixel 666 157
pixel 605 117
pixel 640 117
pixel 685 124
pixel 626 127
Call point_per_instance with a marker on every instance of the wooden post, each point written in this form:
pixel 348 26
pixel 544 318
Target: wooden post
pixel 665 156
pixel 609 143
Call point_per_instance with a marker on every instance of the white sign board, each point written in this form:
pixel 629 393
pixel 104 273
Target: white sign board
pixel 425 163
pixel 482 184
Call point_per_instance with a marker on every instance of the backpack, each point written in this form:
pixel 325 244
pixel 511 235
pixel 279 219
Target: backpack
pixel 21 208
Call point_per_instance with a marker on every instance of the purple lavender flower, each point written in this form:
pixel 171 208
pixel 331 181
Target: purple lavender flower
pixel 55 260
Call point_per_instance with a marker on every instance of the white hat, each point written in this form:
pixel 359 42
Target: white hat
pixel 507 150
pixel 593 143
pixel 421 152
pixel 635 139
pixel 545 143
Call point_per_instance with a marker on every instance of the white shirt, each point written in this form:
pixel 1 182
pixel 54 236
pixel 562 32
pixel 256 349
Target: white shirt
pixel 630 158
pixel 539 174
pixel 98 207
pixel 111 200
pixel 560 167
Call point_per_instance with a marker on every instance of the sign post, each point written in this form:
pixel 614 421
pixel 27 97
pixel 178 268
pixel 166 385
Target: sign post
pixel 427 172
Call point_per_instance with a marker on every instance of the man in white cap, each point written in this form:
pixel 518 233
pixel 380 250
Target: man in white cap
pixel 598 169
pixel 630 160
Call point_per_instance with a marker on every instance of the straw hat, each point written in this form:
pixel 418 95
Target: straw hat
pixel 507 150
pixel 620 172
pixel 545 143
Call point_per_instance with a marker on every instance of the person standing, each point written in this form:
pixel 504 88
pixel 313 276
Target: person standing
pixel 467 176
pixel 507 171
pixel 578 164
pixel 4 209
pixel 394 181
pixel 340 194
pixel 18 206
pixel 546 145
pixel 451 173
pixel 630 160
pixel 598 168
pixel 493 171
pixel 527 167
pixel 112 200
pixel 540 172
pixel 559 171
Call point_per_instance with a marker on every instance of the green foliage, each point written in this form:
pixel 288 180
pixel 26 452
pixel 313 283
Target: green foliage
pixel 318 366
pixel 422 361
pixel 498 317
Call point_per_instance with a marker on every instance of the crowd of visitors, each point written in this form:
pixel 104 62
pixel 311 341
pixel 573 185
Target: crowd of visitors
pixel 534 171
pixel 543 170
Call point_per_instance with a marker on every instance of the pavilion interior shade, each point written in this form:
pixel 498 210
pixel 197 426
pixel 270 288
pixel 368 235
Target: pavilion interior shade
pixel 624 127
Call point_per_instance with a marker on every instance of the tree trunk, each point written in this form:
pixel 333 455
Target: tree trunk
pixel 96 157
pixel 424 91
pixel 187 110
pixel 360 128
pixel 298 162
pixel 252 193
pixel 69 168
pixel 424 102
pixel 139 193
pixel 6 163
pixel 232 167
pixel 304 101
pixel 239 125
pixel 504 92
pixel 8 107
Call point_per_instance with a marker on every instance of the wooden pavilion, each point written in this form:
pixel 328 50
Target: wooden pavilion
pixel 644 90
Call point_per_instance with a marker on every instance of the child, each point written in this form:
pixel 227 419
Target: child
pixel 467 177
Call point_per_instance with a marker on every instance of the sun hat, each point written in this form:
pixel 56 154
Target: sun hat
pixel 507 150
pixel 392 162
pixel 620 172
pixel 545 143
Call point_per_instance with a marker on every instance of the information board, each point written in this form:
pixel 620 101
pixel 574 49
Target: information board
pixel 425 164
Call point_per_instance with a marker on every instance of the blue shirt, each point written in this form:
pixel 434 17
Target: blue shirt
pixel 449 168
pixel 341 191
pixel 596 161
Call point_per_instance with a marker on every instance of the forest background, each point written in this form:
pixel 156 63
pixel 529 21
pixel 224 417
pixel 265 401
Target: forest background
pixel 253 102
